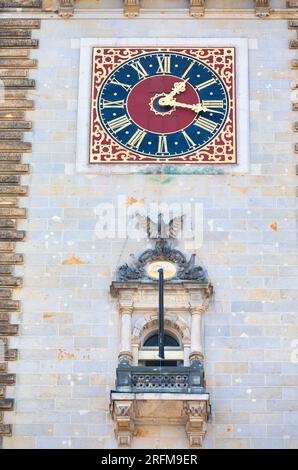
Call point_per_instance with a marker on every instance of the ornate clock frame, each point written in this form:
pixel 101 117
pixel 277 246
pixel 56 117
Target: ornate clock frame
pixel 86 46
pixel 213 132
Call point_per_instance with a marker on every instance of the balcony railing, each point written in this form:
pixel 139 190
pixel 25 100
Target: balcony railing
pixel 160 379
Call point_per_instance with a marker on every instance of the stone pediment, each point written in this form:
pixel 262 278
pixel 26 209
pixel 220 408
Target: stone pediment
pixel 186 269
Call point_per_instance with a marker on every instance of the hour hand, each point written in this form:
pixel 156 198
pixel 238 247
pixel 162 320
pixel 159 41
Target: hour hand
pixel 178 87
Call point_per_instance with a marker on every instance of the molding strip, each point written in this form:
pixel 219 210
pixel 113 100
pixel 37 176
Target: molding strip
pixel 53 9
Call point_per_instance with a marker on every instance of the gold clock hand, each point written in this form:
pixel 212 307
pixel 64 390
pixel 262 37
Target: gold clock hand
pixel 194 107
pixel 212 110
pixel 178 87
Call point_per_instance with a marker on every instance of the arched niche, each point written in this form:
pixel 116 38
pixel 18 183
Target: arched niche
pixel 174 325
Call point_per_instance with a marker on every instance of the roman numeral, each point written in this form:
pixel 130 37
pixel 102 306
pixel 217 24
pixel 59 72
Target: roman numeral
pixel 126 87
pixel 206 124
pixel 205 84
pixel 120 123
pixel 187 70
pixel 137 66
pixel 213 103
pixel 136 140
pixel 164 64
pixel 190 142
pixel 113 104
pixel 162 144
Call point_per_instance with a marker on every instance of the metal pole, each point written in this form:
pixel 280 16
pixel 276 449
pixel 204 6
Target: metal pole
pixel 161 344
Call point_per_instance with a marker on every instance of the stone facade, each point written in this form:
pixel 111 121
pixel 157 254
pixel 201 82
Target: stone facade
pixel 68 324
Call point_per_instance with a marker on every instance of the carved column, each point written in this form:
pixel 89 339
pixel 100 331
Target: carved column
pixel 196 348
pixel 197 413
pixel 122 414
pixel 262 8
pixel 65 8
pixel 131 8
pixel 125 353
pixel 197 8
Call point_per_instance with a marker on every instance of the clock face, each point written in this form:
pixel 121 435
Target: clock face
pixel 161 106
pixel 169 269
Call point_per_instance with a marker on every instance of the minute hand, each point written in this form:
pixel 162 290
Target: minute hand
pixel 194 107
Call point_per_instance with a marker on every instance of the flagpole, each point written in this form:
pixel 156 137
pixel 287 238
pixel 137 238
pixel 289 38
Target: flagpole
pixel 161 345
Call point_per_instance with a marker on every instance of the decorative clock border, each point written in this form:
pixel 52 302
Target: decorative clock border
pixel 86 46
pixel 221 150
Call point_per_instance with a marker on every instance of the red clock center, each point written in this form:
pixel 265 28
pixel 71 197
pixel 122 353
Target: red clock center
pixel 144 109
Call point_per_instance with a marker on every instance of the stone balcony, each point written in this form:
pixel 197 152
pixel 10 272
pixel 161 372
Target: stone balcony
pixel 160 379
pixel 160 395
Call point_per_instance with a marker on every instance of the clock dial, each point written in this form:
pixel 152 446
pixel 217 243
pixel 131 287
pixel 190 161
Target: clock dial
pixel 169 269
pixel 163 105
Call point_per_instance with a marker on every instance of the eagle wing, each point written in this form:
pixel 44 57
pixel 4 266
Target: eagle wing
pixel 148 225
pixel 176 226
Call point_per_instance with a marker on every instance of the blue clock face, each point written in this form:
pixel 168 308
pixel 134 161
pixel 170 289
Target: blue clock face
pixel 163 105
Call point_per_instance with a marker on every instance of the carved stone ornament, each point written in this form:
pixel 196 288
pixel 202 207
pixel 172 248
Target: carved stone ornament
pixel 66 8
pixel 262 8
pixel 131 8
pixel 197 8
pixel 198 414
pixel 173 229
pixel 134 411
pixel 163 250
pixel 122 414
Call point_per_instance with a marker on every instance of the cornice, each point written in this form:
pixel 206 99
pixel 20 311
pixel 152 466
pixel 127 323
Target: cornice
pixel 152 14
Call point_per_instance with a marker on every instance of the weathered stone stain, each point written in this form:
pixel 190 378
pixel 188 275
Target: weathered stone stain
pixel 141 432
pixel 72 259
pixel 131 200
pixel 180 170
pixel 62 355
pixel 48 314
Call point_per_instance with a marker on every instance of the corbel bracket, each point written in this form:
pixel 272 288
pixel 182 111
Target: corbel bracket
pixel 262 8
pixel 65 8
pixel 197 413
pixel 197 8
pixel 131 8
pixel 123 416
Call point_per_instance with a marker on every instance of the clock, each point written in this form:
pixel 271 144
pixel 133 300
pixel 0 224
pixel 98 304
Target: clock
pixel 161 105
pixel 169 269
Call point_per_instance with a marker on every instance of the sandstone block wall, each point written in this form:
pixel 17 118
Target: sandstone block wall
pixel 68 324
